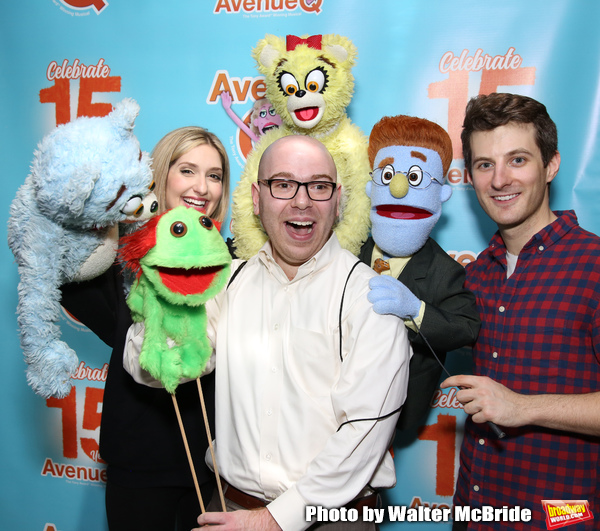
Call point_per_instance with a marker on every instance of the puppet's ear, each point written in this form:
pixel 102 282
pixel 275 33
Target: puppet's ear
pixel 124 114
pixel 339 52
pixel 446 192
pixel 341 48
pixel 368 188
pixel 268 51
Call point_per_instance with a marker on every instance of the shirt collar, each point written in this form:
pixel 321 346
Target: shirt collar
pixel 317 262
pixel 564 222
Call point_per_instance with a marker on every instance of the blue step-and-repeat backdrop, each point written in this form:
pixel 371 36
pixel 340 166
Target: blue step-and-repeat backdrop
pixel 60 59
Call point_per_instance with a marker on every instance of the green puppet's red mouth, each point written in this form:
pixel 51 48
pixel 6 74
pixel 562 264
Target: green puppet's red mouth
pixel 188 281
pixel 402 212
pixel 307 114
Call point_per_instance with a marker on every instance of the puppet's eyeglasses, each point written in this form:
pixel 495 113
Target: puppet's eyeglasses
pixel 417 178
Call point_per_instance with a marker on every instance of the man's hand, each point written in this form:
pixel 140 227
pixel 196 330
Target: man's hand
pixel 487 400
pixel 258 520
pixel 484 399
pixel 390 296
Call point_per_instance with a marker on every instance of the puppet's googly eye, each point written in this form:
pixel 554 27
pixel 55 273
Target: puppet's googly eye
pixel 272 111
pixel 415 176
pixel 206 222
pixel 152 186
pixel 387 174
pixel 315 81
pixel 288 84
pixel 263 114
pixel 132 205
pixel 178 229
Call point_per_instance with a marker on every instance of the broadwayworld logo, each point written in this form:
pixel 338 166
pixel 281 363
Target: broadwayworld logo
pixel 560 513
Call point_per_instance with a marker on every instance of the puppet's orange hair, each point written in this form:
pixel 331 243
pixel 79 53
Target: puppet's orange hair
pixel 410 131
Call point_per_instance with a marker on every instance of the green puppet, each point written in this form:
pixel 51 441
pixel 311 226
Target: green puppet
pixel 180 261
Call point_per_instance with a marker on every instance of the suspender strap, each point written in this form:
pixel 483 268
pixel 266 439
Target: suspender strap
pixel 235 274
pixel 342 305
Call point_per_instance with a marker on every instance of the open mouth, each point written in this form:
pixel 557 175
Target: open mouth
pixel 307 114
pixel 198 204
pixel 192 281
pixel 300 228
pixel 402 212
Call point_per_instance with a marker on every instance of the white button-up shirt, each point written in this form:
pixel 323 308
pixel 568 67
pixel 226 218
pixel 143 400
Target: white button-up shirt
pixel 283 392
pixel 296 425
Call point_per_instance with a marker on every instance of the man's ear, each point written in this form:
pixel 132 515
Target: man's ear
pixel 553 167
pixel 469 178
pixel 255 196
pixel 338 200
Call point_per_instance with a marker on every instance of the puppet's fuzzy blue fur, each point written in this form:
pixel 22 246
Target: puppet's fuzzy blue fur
pixel 84 176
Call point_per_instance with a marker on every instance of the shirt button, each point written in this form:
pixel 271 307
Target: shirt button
pixel 495 355
pixel 501 309
pixel 541 247
pixel 276 327
pixel 476 488
pixel 268 457
pixel 273 369
pixel 269 412
pixel 481 442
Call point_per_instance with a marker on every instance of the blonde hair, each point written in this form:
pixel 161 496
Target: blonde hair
pixel 175 144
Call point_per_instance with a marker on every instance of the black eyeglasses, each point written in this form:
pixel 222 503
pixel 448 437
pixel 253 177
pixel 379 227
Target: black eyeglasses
pixel 287 189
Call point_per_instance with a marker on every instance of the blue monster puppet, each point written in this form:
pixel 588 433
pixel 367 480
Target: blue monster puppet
pixel 418 281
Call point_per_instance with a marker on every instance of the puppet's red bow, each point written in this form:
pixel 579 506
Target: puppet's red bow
pixel 314 41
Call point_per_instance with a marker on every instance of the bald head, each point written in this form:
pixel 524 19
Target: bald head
pixel 297 226
pixel 285 146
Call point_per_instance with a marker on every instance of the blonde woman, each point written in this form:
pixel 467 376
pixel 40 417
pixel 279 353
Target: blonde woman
pixel 149 483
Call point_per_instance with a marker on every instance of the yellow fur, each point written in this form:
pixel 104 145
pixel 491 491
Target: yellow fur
pixel 344 140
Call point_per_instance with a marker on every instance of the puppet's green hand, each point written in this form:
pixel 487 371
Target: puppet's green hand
pixel 194 355
pixel 135 301
pixel 160 360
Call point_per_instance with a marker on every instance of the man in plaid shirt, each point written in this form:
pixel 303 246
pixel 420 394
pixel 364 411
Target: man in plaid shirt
pixel 537 357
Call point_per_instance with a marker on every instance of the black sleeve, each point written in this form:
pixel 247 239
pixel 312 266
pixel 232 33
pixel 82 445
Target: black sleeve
pixel 94 302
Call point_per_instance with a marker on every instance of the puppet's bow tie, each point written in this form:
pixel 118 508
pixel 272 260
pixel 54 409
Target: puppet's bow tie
pixel 381 265
pixel 314 41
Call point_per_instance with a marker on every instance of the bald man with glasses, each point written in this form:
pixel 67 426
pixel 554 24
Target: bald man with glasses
pixel 310 380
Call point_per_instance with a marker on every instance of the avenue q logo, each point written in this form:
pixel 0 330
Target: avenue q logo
pixel 267 7
pixel 81 7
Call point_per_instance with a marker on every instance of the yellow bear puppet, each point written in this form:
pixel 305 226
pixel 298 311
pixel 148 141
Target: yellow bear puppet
pixel 310 84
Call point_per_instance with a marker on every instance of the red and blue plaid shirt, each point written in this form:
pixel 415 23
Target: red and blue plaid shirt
pixel 540 333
